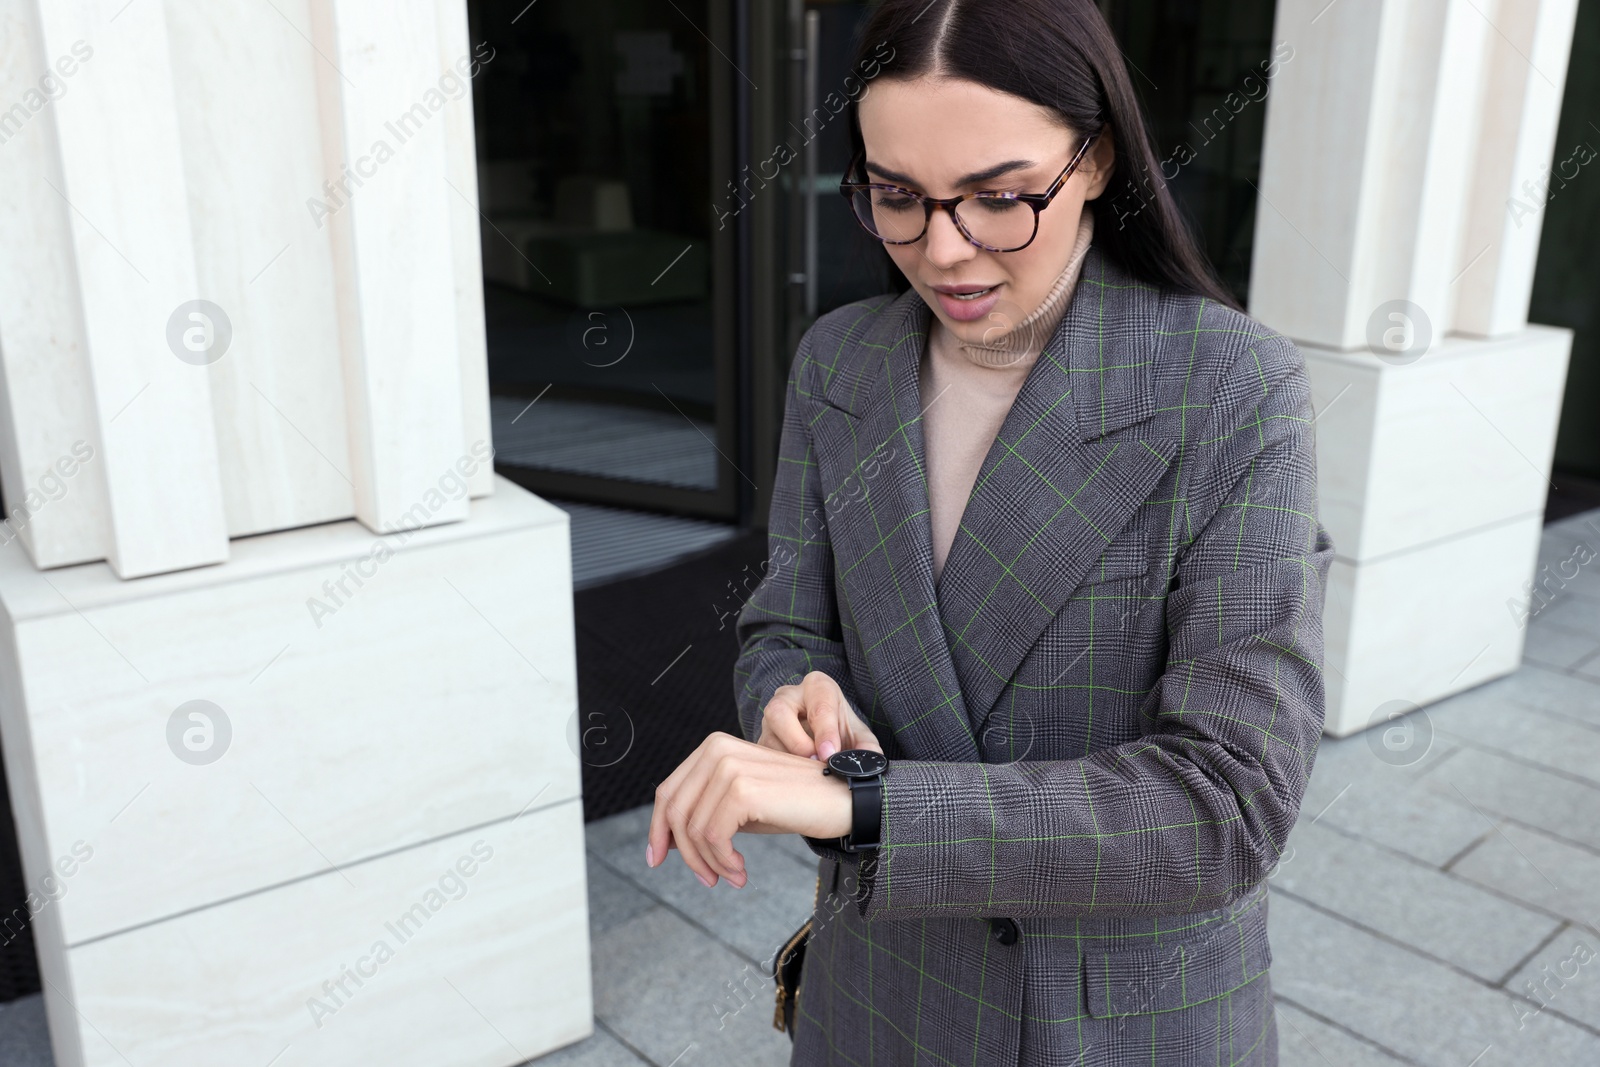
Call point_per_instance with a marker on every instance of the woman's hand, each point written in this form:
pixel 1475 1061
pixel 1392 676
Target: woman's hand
pixel 813 719
pixel 727 785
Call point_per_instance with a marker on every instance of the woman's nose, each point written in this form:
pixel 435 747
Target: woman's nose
pixel 946 244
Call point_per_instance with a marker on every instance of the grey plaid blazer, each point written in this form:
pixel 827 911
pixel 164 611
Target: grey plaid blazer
pixel 1100 720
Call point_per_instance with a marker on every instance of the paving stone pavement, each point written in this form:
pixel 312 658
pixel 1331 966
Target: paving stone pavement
pixel 1438 905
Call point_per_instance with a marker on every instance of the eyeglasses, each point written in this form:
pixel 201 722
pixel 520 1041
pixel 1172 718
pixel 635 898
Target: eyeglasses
pixel 991 220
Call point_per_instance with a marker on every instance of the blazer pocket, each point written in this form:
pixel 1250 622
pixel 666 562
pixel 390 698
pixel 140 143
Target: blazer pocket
pixel 1139 981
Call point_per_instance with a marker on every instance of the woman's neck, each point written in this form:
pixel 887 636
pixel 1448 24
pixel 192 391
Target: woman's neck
pixel 1022 343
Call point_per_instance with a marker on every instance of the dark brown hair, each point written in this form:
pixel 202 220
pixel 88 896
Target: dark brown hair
pixel 1061 55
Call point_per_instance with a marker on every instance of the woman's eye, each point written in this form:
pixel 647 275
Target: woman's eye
pixel 998 204
pixel 890 202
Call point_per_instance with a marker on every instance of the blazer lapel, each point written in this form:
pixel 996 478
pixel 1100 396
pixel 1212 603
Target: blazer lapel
pixel 1056 486
pixel 1054 489
pixel 870 459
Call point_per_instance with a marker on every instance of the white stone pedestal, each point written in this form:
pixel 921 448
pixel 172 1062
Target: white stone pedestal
pixel 1399 139
pixel 1432 478
pixel 363 845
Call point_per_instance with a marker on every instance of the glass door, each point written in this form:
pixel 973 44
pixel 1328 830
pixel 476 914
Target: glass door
pixel 1202 74
pixel 605 128
pixel 833 262
pixel 806 254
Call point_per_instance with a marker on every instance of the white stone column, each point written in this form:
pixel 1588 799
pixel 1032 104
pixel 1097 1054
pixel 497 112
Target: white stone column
pixel 287 674
pixel 1390 245
pixel 245 275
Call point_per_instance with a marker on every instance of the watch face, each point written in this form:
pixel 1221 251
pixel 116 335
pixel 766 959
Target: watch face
pixel 857 763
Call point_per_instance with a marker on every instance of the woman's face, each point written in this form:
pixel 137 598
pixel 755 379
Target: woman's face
pixel 933 135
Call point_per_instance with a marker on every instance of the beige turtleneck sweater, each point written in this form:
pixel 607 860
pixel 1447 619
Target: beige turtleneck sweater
pixel 967 389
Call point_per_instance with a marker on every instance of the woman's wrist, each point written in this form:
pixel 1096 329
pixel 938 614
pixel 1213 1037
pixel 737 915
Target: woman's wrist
pixel 839 815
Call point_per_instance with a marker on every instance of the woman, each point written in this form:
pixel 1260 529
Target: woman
pixel 1043 534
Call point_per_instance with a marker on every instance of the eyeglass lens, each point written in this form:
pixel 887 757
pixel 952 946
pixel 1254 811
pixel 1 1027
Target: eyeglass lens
pixel 998 222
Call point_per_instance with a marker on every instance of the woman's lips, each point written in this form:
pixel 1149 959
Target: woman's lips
pixel 965 309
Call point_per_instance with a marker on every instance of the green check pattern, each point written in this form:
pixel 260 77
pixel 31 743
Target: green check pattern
pixel 1102 717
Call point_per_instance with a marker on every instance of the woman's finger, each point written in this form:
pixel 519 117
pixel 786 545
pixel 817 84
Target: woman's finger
pixel 823 700
pixel 781 725
pixel 719 755
pixel 658 839
pixel 714 820
pixel 678 818
pixel 675 797
pixel 861 735
pixel 729 815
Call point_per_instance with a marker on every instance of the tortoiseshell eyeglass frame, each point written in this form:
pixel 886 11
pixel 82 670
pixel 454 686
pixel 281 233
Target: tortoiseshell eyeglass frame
pixel 1037 201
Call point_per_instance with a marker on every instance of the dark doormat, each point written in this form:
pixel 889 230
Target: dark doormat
pixel 1570 493
pixel 19 967
pixel 655 670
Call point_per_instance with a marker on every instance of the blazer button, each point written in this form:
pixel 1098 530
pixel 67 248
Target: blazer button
pixel 1004 930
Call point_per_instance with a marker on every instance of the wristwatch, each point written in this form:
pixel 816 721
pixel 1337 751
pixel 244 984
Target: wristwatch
pixel 863 770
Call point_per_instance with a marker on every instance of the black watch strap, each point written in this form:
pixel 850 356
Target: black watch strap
pixel 866 814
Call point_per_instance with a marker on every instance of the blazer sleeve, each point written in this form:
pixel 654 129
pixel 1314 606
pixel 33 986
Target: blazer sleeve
pixel 1197 810
pixel 790 625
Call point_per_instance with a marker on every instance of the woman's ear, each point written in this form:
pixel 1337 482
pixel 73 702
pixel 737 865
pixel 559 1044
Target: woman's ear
pixel 1101 162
